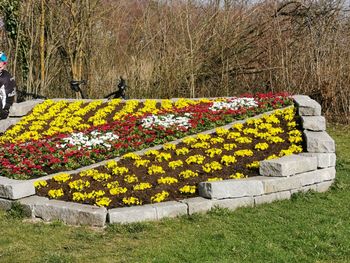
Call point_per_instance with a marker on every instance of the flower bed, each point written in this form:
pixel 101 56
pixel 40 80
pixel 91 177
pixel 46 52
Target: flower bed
pixel 61 136
pixel 174 172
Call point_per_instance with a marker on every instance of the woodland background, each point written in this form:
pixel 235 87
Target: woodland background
pixel 181 48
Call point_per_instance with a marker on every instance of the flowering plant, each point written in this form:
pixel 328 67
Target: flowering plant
pixel 167 174
pixel 60 135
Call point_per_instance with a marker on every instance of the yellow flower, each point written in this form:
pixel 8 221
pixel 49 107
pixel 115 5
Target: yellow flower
pixel 55 193
pixel 214 179
pixel 203 137
pixel 273 156
pixel 131 178
pixel 112 184
pixel 195 159
pixel 243 153
pixel 213 151
pixel 188 174
pixel 221 131
pixel 139 163
pixel 62 178
pixel 175 164
pixel 131 201
pixel 101 177
pixel 132 156
pixel 233 135
pixel 142 186
pixel 79 184
pixel 163 156
pixel 261 146
pixel 152 152
pixel 103 201
pixel 217 140
pixel 118 190
pixel 237 126
pixel 274 139
pixel 159 197
pixel 237 176
pixel 111 164
pixel 78 196
pixel 213 166
pixel 154 169
pixel 167 180
pixel 229 146
pixel 228 159
pixel 189 140
pixel 182 151
pixel 39 184
pixel 188 189
pixel 169 146
pixel 243 140
pixel 120 170
pixel 253 165
pixel 198 145
pixel 90 173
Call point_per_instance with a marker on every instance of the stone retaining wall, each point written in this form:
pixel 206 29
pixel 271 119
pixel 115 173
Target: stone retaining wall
pixel 280 178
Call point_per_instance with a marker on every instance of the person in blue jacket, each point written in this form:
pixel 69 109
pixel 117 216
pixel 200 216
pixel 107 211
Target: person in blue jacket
pixel 7 88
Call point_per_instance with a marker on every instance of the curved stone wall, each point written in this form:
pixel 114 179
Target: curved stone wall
pixel 313 169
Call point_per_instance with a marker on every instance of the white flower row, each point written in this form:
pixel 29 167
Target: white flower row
pixel 166 121
pixel 234 104
pixel 93 139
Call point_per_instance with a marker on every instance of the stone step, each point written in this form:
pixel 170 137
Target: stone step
pixel 67 212
pixel 288 165
pixel 319 142
pixel 324 160
pixel 230 188
pixel 6 123
pixel 313 123
pixel 307 106
pixel 22 108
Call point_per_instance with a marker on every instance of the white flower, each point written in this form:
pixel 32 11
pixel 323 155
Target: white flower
pixel 234 104
pixel 89 141
pixel 166 121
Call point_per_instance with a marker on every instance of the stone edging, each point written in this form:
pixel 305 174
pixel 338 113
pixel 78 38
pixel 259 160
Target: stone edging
pixel 312 170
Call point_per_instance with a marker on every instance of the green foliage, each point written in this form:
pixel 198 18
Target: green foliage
pixel 10 9
pixel 16 211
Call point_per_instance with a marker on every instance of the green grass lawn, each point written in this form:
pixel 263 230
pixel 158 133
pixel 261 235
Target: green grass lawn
pixel 312 227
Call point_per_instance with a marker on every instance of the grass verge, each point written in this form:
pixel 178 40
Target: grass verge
pixel 312 227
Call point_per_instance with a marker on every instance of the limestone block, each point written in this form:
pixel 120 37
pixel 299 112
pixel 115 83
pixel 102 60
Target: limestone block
pixel 313 123
pixel 307 106
pixel 280 184
pixel 230 188
pixel 15 189
pixel 324 186
pixel 28 204
pixel 22 108
pixel 305 189
pixel 170 209
pixel 67 212
pixel 317 176
pixel 324 160
pixel 288 165
pixel 197 205
pixel 319 142
pixel 269 198
pixel 5 204
pixel 6 123
pixel 132 214
pixel 234 203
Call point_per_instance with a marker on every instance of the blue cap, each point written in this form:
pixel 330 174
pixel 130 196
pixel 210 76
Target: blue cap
pixel 3 57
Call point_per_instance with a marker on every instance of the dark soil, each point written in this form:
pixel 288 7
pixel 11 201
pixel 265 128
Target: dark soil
pixel 173 189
